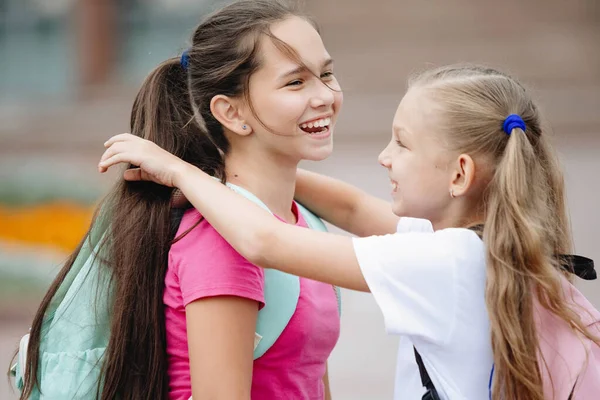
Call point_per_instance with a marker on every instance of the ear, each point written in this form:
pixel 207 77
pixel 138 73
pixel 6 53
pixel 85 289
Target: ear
pixel 227 111
pixel 463 175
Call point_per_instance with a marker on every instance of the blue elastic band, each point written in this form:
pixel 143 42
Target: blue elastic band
pixel 185 60
pixel 491 381
pixel 511 122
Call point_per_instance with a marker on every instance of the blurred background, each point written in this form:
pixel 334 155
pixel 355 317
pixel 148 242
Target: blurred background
pixel 69 70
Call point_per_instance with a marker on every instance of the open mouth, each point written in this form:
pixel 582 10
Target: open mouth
pixel 316 127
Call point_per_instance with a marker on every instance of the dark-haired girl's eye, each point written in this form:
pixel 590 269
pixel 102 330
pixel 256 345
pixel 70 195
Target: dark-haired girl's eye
pixel 297 82
pixel 327 75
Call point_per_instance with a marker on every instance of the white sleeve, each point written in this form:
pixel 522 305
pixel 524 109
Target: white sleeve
pixel 413 279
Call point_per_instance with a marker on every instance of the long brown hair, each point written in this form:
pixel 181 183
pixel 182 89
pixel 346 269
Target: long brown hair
pixel 171 109
pixel 526 223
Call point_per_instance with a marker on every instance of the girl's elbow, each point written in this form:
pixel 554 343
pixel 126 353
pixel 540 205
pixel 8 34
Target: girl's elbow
pixel 255 246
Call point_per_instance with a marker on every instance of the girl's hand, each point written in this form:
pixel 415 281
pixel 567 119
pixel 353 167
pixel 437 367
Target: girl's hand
pixel 155 164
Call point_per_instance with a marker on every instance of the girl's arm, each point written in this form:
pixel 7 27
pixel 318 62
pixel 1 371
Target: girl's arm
pixel 344 205
pixel 326 383
pixel 252 231
pixel 267 242
pixel 220 333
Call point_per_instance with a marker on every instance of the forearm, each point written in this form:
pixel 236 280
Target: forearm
pixel 344 205
pixel 331 199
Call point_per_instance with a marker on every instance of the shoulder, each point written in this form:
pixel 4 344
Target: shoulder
pixel 461 244
pixel 205 265
pixel 422 248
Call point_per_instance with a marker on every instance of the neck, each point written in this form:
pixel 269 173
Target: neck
pixel 270 178
pixel 461 214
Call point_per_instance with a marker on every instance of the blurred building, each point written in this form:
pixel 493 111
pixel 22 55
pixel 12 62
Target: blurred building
pixel 69 70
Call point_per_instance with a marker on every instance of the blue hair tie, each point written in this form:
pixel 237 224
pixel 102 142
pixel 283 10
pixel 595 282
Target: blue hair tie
pixel 185 60
pixel 511 122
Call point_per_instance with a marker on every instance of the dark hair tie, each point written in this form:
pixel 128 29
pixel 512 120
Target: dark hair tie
pixel 511 122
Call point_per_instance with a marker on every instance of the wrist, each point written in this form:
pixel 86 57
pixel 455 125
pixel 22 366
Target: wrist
pixel 180 172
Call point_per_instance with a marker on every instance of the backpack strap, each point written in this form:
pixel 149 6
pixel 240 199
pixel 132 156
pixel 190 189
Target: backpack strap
pixel 580 266
pixel 282 291
pixel 315 223
pixel 431 393
pixel 88 251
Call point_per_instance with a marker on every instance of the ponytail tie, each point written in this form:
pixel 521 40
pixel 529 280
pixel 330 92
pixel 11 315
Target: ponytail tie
pixel 185 60
pixel 513 121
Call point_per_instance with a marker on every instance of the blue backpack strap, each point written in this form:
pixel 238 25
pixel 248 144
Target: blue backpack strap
pixel 282 291
pixel 315 223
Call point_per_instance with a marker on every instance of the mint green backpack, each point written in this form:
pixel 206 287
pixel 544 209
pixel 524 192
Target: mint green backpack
pixel 75 330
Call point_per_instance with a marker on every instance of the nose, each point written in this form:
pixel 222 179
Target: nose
pixel 323 96
pixel 384 156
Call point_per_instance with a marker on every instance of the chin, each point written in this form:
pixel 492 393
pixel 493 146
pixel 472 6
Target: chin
pixel 398 210
pixel 319 154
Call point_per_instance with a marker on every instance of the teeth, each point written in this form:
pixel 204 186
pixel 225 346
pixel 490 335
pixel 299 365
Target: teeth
pixel 317 124
pixel 394 186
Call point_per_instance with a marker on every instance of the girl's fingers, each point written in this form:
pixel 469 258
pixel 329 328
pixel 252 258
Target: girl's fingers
pixel 118 148
pixel 109 152
pixel 114 160
pixel 133 174
pixel 119 138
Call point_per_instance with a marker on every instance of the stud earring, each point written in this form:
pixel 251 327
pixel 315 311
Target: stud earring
pixel 244 127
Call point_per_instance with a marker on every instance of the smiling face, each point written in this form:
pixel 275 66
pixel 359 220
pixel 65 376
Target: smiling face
pixel 417 162
pixel 295 105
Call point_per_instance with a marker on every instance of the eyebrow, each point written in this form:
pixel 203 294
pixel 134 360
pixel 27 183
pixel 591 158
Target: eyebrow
pixel 400 131
pixel 303 68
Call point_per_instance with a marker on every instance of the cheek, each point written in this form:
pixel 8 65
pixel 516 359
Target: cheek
pixel 402 167
pixel 283 108
pixel 420 186
pixel 338 100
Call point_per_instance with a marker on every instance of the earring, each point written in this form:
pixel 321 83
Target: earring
pixel 244 127
pixel 452 193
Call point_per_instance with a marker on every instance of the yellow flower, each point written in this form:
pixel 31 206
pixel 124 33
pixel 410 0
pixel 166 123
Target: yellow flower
pixel 59 224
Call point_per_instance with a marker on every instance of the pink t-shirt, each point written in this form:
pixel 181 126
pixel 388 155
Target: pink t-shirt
pixel 202 264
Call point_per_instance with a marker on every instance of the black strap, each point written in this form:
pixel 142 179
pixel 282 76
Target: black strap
pixel 431 393
pixel 582 267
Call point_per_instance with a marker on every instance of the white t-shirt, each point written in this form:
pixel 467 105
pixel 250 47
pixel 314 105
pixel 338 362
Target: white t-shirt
pixel 430 287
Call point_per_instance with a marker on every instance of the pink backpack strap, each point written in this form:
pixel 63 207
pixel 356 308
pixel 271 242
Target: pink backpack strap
pixel 568 360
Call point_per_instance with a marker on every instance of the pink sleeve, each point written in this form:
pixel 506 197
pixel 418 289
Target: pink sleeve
pixel 206 265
